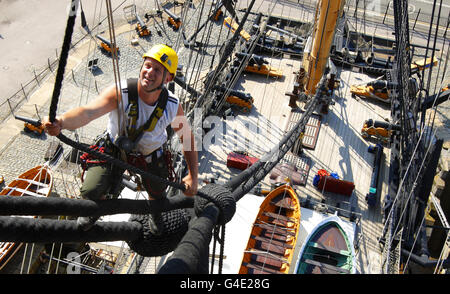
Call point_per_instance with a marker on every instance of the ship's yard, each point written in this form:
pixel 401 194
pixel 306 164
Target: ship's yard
pixel 333 141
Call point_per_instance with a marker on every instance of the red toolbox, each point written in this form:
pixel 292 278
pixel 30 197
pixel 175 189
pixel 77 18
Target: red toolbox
pixel 240 160
pixel 336 186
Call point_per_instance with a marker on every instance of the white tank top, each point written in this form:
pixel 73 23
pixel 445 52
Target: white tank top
pixel 150 141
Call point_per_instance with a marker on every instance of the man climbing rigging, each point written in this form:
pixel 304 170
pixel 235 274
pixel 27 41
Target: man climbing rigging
pixel 147 108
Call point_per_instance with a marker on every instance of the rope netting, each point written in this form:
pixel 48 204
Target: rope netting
pixel 414 151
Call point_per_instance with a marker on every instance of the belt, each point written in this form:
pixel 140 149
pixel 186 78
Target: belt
pixel 151 156
pixel 154 155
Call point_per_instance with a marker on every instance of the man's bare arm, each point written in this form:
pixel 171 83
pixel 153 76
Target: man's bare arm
pixel 81 116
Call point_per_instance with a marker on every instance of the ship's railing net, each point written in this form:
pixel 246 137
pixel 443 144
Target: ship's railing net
pixel 412 150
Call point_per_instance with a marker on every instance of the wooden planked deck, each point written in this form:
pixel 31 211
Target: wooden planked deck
pixel 255 132
pixel 339 148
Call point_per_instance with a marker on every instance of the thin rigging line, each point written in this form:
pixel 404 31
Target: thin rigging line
pixel 415 181
pixel 115 62
pixel 415 240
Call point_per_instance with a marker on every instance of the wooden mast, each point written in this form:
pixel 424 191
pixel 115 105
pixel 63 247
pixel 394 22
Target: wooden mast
pixel 317 50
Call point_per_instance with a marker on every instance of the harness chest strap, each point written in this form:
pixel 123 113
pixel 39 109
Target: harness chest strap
pixel 133 133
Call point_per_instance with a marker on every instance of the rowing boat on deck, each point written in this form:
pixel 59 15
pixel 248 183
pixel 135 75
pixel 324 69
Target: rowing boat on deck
pixel 37 182
pixel 271 245
pixel 326 250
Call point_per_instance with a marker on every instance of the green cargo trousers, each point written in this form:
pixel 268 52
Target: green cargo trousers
pixel 104 180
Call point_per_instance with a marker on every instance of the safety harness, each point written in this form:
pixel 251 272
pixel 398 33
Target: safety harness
pixel 134 134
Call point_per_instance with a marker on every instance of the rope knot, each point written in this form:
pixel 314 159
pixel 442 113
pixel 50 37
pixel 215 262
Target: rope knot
pixel 175 227
pixel 218 196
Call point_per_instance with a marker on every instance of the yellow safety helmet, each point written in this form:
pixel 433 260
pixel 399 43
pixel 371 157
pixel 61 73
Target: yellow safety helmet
pixel 165 55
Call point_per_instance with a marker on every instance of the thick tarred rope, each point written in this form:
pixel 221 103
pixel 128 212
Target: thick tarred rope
pixel 63 59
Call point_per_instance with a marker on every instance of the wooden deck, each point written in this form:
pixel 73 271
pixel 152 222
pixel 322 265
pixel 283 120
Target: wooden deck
pixel 339 148
pixel 256 132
